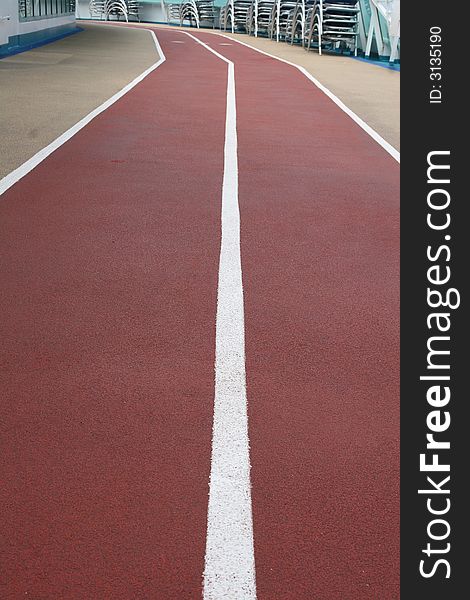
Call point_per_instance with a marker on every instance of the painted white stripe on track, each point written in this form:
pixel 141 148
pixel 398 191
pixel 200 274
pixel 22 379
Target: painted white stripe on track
pixel 229 572
pixel 35 160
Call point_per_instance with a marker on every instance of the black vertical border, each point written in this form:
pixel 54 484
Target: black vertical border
pixel 428 127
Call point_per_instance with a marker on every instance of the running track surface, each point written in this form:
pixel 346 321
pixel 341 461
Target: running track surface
pixel 110 251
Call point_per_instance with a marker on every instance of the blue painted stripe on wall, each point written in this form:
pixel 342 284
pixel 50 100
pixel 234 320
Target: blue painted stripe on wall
pixel 384 63
pixel 28 41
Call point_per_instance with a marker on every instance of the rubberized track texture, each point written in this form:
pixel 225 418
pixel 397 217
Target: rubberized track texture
pixel 110 257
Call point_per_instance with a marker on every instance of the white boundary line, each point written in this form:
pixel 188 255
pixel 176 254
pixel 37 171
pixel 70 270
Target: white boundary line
pixel 367 128
pixel 229 561
pixel 34 161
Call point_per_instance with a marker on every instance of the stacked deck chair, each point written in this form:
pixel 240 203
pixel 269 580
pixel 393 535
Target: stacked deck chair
pixel 332 23
pixel 259 16
pixel 296 23
pixel 97 8
pixel 189 13
pixel 281 16
pixel 133 7
pixel 235 15
pixel 114 8
pixel 206 12
pixel 223 18
pixel 250 19
pixel 173 12
pixel 240 11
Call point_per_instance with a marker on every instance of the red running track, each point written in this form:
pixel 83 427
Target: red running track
pixel 319 203
pixel 109 293
pixel 109 279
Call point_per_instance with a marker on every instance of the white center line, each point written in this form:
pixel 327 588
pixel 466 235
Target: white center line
pixel 229 562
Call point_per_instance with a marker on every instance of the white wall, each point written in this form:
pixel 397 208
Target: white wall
pixel 13 26
pixel 8 8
